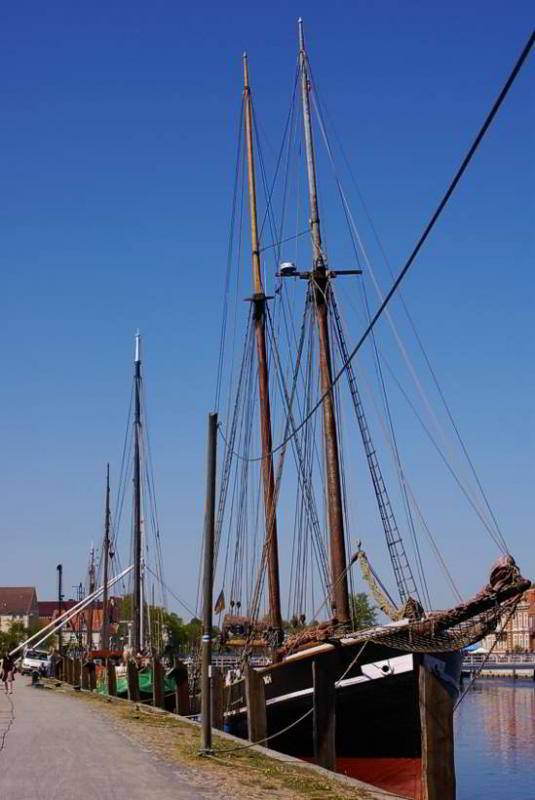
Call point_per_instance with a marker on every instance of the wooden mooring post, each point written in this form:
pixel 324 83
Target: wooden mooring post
pixel 68 670
pixel 158 693
pixel 111 678
pixel 255 698
pixel 77 672
pixel 324 714
pixel 92 678
pixel 436 723
pixel 132 680
pixel 86 679
pixel 218 699
pixel 182 701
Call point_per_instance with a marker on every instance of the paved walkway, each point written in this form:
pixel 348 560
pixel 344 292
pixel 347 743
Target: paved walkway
pixel 54 748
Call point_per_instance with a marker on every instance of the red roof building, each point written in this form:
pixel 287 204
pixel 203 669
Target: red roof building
pixel 17 604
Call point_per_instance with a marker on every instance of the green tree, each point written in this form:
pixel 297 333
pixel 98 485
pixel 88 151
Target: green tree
pixel 16 634
pixel 363 614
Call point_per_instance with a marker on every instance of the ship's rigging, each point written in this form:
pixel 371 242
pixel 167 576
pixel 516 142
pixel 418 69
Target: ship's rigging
pixel 146 592
pixel 295 395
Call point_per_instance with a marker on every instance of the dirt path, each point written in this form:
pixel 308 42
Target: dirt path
pixel 59 743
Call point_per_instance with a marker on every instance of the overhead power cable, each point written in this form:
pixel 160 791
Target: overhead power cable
pixel 421 241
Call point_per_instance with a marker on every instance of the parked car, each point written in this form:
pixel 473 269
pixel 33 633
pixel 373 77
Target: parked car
pixel 34 660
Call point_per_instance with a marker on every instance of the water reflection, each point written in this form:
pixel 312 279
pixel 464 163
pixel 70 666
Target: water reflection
pixel 495 741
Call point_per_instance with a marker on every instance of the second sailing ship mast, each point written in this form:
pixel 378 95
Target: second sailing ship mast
pixel 259 301
pixel 107 518
pixel 319 285
pixel 137 596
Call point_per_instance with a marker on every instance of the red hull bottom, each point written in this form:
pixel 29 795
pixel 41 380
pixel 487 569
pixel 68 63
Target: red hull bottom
pixel 400 776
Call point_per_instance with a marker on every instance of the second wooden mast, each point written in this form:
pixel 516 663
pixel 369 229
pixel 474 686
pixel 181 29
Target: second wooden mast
pixel 137 597
pixel 319 286
pixel 259 311
pixel 104 636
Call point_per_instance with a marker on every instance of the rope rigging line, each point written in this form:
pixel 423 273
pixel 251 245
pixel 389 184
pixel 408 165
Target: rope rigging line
pixel 289 401
pixel 171 592
pixel 410 493
pixel 400 563
pixel 296 721
pixel 391 438
pixel 474 505
pixel 477 673
pixel 405 584
pixel 354 232
pixel 300 457
pixel 230 251
pixel 421 241
pixel 287 130
pixel 413 327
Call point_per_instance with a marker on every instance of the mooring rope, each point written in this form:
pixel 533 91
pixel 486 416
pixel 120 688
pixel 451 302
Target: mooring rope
pixel 295 722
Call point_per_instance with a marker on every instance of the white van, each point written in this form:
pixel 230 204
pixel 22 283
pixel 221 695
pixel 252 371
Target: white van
pixel 34 660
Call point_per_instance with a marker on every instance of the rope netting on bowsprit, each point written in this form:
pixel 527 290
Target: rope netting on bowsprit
pixel 441 631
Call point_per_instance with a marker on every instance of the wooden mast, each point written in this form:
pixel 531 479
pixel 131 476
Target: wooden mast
pixel 104 636
pixel 92 587
pixel 137 608
pixel 259 301
pixel 319 285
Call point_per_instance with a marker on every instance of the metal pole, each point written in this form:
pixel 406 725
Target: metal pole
pixel 208 582
pixel 60 605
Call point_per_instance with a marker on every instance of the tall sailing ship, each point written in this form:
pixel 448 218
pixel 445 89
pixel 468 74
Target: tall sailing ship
pixel 374 703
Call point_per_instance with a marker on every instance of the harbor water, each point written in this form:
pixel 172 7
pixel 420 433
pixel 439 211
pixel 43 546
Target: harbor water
pixel 495 741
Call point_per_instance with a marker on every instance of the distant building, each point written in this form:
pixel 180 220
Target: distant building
pixel 75 630
pixel 519 632
pixel 18 604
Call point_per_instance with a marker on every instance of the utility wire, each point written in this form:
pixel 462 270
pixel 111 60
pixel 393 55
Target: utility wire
pixel 421 241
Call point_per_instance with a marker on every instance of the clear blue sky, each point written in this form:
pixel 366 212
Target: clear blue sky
pixel 117 142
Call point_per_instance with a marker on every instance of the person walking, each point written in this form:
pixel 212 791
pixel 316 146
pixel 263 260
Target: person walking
pixel 7 672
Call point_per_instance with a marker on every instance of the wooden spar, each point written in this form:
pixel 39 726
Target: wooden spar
pixel 137 609
pixel 259 300
pixel 104 637
pixel 319 285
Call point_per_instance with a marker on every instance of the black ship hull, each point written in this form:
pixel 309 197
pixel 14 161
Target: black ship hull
pixel 378 709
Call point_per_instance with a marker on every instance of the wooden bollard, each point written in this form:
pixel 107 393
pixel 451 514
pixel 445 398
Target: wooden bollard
pixel 324 714
pixel 85 683
pixel 132 680
pixel 436 725
pixel 218 700
pixel 111 678
pixel 93 679
pixel 182 700
pixel 255 698
pixel 158 694
pixel 77 672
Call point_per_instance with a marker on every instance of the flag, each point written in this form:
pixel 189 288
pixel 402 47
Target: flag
pixel 220 603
